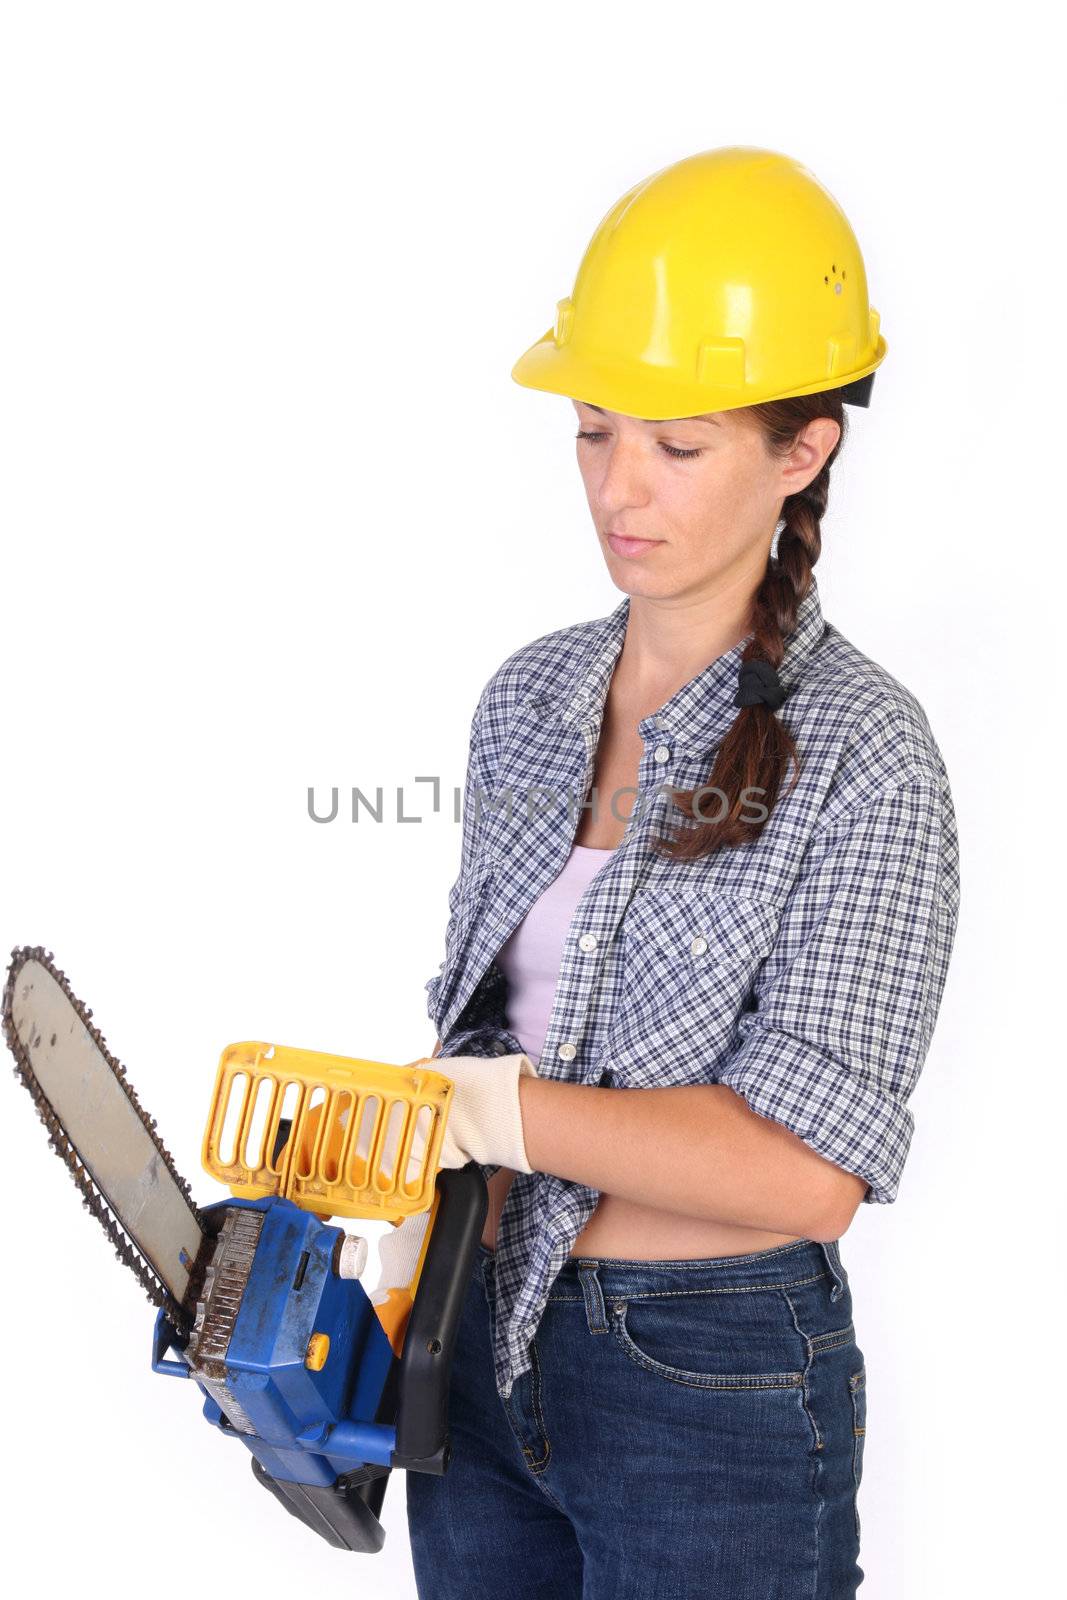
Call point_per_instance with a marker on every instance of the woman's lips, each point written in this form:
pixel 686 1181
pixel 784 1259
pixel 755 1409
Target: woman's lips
pixel 631 547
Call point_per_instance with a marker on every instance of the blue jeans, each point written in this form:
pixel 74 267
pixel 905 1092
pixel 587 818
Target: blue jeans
pixel 689 1428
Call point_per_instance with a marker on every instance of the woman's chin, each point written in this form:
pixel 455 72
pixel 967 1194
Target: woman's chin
pixel 626 576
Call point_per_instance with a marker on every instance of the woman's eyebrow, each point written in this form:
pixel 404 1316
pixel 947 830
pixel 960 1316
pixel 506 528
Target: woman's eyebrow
pixel 707 417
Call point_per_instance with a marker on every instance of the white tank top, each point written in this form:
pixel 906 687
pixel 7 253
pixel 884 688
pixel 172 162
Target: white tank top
pixel 530 959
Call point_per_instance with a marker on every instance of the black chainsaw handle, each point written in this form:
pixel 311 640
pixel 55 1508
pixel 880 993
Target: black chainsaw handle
pixel 425 1363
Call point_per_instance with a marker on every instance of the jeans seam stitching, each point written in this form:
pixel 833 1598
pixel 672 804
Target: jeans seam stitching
pixel 535 1397
pixel 857 1384
pixel 833 1339
pixel 675 1294
pixel 807 1368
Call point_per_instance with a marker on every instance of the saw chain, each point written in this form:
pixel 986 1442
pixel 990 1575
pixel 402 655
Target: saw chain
pixel 180 1315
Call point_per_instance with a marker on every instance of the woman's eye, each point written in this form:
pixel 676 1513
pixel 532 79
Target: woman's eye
pixel 672 450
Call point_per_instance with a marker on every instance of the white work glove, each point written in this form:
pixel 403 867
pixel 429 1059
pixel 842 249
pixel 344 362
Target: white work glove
pixel 484 1119
pixel 398 1255
pixel 484 1125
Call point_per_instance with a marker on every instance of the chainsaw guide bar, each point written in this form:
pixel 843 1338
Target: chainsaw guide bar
pixel 38 998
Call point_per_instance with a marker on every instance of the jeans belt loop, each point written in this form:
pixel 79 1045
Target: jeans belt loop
pixel 595 1310
pixel 833 1261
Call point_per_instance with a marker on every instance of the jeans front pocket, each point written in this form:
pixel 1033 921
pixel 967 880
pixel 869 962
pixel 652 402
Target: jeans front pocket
pixel 858 1385
pixel 709 1340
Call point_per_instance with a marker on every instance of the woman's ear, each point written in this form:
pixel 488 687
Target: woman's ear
pixel 808 456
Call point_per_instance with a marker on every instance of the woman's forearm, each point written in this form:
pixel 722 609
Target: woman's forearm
pixel 697 1150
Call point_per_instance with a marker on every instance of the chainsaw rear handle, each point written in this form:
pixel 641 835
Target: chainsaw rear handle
pixel 425 1365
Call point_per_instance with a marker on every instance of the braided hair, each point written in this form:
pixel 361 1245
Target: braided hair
pixel 753 757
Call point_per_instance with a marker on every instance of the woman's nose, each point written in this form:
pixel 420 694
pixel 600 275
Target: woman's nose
pixel 622 481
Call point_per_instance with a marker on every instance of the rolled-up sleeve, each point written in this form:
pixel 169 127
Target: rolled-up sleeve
pixel 846 1003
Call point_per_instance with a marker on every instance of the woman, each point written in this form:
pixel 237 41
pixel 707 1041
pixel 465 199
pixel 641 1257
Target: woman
pixel 709 885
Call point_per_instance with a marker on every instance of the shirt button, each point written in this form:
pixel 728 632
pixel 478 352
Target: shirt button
pixel 567 1052
pixel 499 1047
pixel 699 945
pixel 663 752
pixel 587 941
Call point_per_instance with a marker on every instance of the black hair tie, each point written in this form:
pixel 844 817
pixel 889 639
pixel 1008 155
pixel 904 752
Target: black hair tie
pixel 759 684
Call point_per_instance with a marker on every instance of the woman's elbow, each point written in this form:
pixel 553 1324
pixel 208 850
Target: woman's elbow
pixel 843 1197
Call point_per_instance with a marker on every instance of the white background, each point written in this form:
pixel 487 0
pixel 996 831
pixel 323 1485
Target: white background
pixel 272 512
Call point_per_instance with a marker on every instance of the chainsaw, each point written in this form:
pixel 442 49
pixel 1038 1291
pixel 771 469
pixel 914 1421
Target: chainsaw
pixel 258 1298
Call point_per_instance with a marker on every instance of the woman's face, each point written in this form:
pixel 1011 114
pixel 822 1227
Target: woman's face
pixel 684 506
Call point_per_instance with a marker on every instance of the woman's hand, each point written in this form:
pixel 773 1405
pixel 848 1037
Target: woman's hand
pixel 484 1119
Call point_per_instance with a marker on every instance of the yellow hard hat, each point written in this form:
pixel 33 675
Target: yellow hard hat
pixel 728 278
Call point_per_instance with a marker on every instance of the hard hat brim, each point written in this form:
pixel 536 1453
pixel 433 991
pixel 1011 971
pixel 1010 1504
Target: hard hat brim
pixel 655 397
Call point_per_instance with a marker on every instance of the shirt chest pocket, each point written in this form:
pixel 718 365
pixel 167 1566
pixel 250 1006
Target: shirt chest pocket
pixel 690 961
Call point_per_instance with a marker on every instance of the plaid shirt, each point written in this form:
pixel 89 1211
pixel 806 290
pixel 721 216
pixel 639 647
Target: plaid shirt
pixel 804 970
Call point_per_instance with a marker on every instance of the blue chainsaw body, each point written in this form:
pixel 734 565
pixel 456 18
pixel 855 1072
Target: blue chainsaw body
pixel 324 1434
pixel 310 1426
